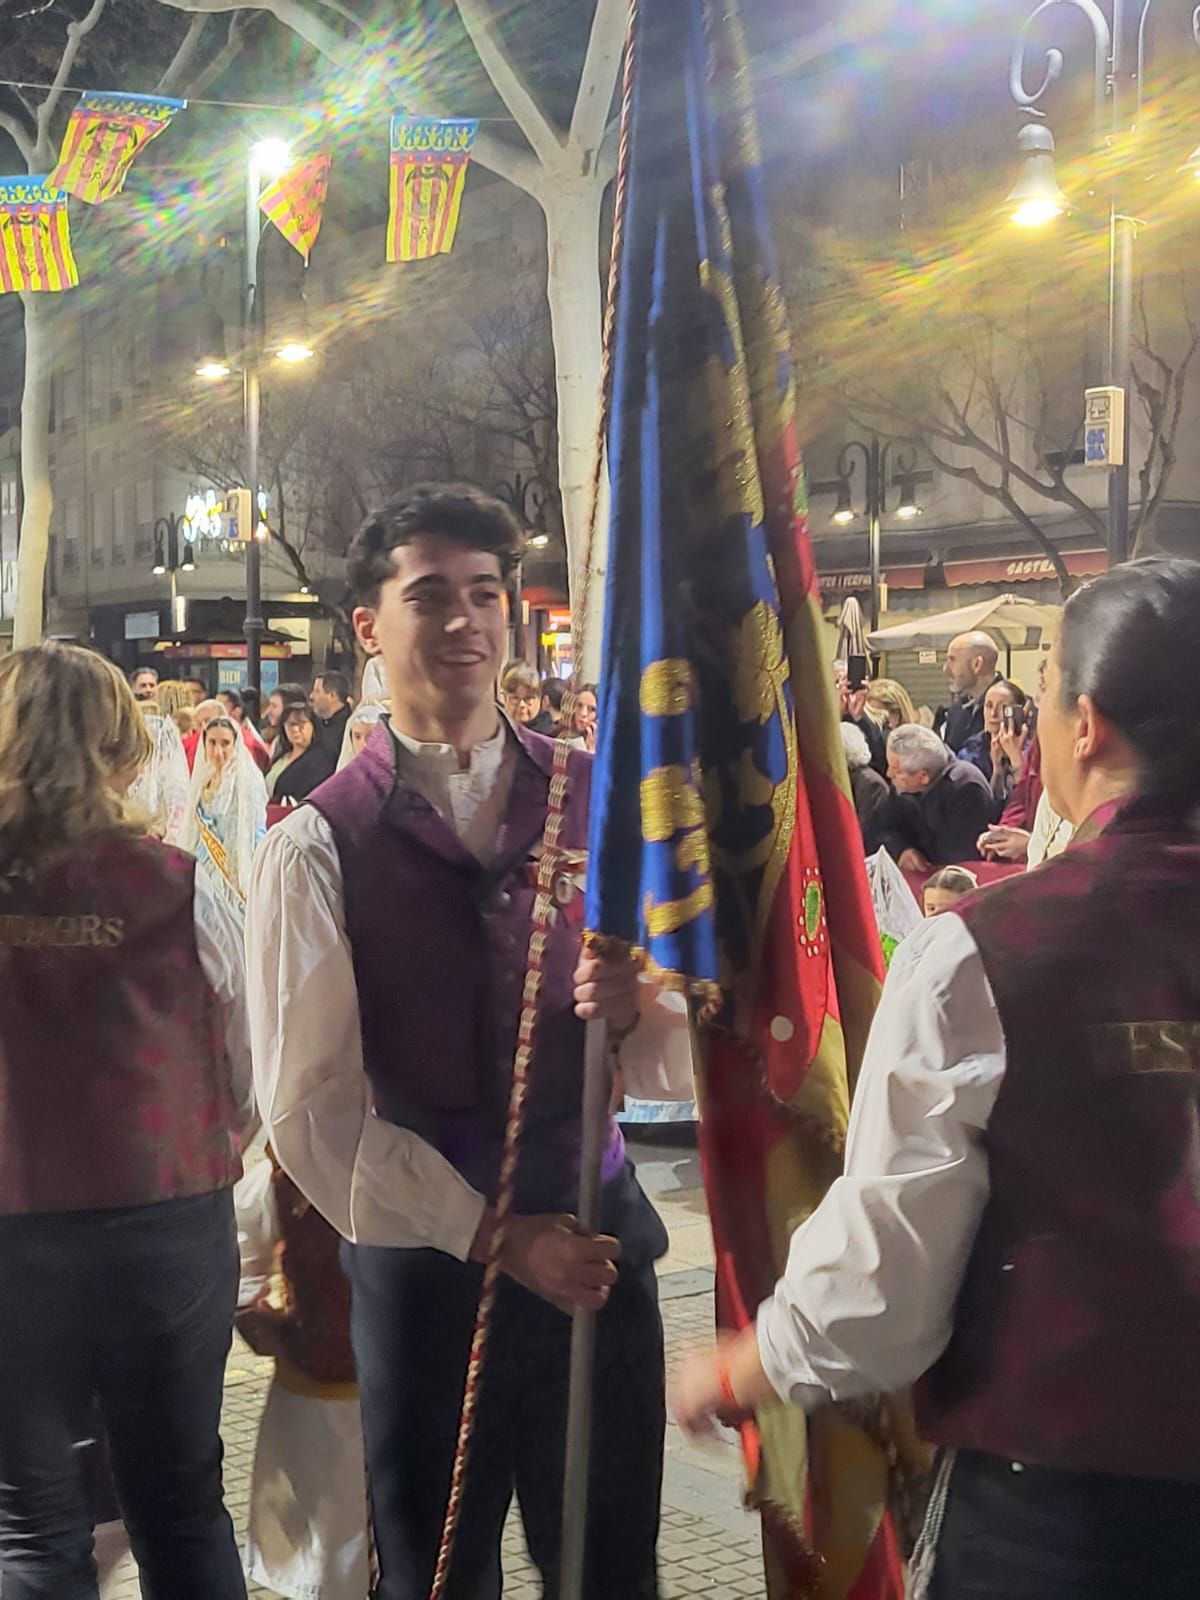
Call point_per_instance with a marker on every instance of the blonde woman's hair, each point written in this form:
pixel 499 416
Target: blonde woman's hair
pixel 69 727
pixel 172 696
pixel 174 700
pixel 887 699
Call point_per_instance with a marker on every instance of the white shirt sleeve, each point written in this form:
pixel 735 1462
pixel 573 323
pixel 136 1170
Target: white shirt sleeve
pixel 377 1184
pixel 866 1303
pixel 222 954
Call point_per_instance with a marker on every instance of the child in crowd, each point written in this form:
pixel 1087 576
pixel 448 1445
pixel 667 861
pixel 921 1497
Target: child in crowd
pixel 945 888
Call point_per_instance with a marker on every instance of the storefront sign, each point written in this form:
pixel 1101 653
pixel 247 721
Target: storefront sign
pixel 1026 569
pixel 834 583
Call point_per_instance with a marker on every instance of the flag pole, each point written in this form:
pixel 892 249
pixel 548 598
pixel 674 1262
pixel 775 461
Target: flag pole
pixel 596 1095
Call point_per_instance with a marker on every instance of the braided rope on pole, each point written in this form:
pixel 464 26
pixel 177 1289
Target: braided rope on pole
pixel 543 916
pixel 620 202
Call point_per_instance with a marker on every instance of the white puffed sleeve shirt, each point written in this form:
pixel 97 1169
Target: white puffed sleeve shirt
pixel 866 1303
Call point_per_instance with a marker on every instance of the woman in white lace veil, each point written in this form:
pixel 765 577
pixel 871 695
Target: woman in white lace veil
pixel 227 811
pixel 160 790
pixel 359 729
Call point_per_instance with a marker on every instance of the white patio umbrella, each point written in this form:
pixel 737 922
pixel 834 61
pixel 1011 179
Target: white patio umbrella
pixel 1014 623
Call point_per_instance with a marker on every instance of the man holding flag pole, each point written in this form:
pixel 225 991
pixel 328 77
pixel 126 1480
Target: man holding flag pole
pixel 416 933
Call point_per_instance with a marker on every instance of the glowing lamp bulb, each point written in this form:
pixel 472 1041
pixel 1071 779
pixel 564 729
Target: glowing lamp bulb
pixel 294 352
pixel 1036 213
pixel 271 157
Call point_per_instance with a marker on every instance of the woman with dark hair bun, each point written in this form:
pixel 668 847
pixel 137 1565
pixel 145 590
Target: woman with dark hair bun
pixel 1018 1227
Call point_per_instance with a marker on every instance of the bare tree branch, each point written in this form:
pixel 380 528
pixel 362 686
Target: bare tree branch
pixel 181 63
pixel 509 81
pixel 77 32
pixel 597 81
pixel 303 20
pixel 235 39
pixel 20 138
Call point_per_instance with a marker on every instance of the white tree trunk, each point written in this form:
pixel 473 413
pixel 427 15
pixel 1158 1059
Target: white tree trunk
pixel 35 473
pixel 572 209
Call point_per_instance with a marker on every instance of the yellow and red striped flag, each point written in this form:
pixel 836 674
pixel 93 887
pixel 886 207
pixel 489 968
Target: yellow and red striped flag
pixel 104 134
pixel 295 203
pixel 35 237
pixel 723 840
pixel 429 160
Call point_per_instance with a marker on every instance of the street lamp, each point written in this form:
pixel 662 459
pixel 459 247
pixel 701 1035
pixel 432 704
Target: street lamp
pixel 174 552
pixel 1119 58
pixel 877 463
pixel 267 160
pixel 1036 198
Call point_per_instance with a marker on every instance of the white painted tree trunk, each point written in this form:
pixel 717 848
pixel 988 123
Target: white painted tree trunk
pixel 34 543
pixel 572 209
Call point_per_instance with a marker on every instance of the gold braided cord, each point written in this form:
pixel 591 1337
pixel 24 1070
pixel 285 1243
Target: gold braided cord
pixel 579 618
pixel 549 862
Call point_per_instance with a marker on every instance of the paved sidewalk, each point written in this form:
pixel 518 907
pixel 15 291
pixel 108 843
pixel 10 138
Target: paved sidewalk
pixel 709 1545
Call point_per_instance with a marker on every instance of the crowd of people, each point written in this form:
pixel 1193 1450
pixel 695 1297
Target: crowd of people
pixel 959 785
pixel 351 986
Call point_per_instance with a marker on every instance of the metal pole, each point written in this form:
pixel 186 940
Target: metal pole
pixel 874 526
pixel 1123 229
pixel 253 626
pixel 597 1089
pixel 1120 316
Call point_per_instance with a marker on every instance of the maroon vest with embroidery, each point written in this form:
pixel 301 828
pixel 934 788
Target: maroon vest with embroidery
pixel 1076 1330
pixel 114 1085
pixel 440 946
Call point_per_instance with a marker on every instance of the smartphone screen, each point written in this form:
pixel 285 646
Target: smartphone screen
pixel 856 672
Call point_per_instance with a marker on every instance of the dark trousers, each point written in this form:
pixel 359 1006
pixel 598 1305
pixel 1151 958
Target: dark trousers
pixel 412 1320
pixel 1042 1534
pixel 126 1315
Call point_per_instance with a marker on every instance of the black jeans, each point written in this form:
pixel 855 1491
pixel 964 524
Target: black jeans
pixel 127 1314
pixel 1041 1534
pixel 413 1315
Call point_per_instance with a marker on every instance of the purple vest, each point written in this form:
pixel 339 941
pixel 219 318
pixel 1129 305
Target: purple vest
pixel 440 946
pixel 1077 1326
pixel 114 1085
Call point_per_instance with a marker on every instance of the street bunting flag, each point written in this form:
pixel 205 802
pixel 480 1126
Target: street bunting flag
pixel 429 160
pixel 724 842
pixel 35 237
pixel 295 203
pixel 105 132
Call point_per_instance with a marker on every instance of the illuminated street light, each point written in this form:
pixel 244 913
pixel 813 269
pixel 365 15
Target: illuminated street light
pixel 909 506
pixel 271 158
pixel 293 352
pixel 1036 199
pixel 844 512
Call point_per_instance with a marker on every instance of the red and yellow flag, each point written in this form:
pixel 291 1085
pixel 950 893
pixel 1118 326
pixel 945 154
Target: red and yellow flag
pixel 35 237
pixel 724 842
pixel 429 160
pixel 105 133
pixel 295 203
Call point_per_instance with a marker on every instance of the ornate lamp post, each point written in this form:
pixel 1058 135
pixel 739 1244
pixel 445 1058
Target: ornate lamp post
pixel 1118 76
pixel 876 457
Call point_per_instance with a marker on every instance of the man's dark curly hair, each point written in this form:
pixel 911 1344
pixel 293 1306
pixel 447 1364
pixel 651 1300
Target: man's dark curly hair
pixel 457 512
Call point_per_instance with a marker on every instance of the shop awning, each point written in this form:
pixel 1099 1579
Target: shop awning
pixel 1025 569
